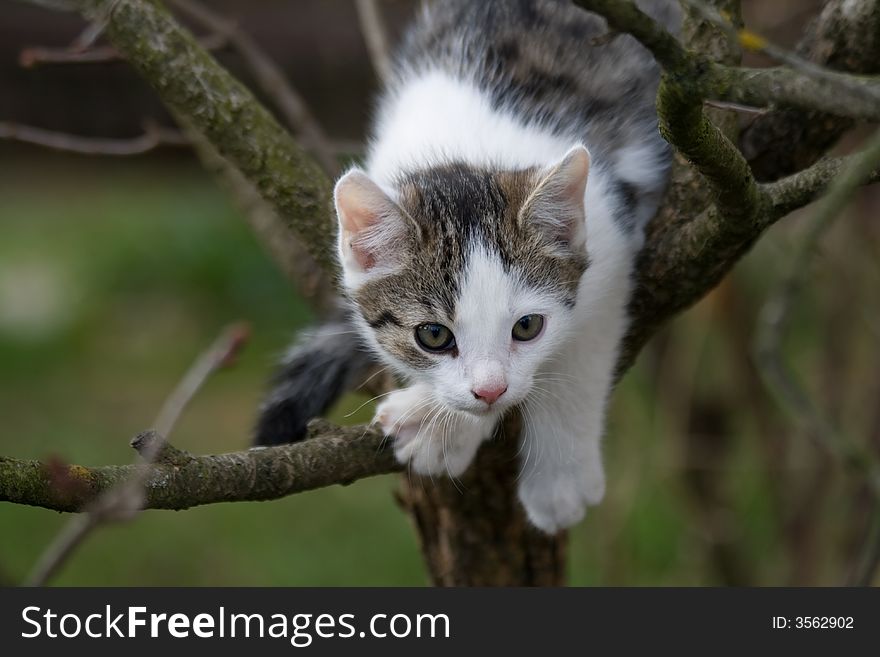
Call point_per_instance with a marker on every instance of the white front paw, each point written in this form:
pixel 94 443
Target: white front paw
pixel 556 499
pixel 425 437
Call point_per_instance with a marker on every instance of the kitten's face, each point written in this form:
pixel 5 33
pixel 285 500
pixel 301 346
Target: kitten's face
pixel 467 279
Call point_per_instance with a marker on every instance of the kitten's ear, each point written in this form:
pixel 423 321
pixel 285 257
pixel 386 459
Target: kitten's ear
pixel 556 206
pixel 371 225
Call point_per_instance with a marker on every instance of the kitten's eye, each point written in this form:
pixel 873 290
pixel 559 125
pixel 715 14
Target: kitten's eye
pixel 528 327
pixel 434 337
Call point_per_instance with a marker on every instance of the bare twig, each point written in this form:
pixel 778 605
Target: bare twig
pixel 56 5
pixel 271 79
pixel 126 499
pixel 153 137
pixel 30 57
pixel 92 32
pixel 219 355
pixel 375 36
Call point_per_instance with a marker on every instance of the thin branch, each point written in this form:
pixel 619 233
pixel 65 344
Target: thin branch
pixel 271 80
pixel 625 17
pixel 92 32
pixel 124 500
pixel 30 57
pixel 153 137
pixel 219 355
pixel 375 36
pixel 55 5
pixel 802 188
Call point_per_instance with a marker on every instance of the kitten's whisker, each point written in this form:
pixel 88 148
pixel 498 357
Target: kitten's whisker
pixel 555 395
pixel 443 444
pixel 524 439
pixel 434 411
pixel 337 333
pixel 372 376
pixel 384 394
pixel 382 443
pixel 449 423
pixel 415 409
pixel 431 410
pixel 557 376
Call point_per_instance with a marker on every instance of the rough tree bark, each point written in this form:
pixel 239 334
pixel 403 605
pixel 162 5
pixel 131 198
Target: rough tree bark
pixel 474 532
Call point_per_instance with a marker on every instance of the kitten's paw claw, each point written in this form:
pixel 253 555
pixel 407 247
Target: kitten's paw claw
pixel 555 501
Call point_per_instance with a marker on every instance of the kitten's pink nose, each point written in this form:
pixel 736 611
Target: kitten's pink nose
pixel 489 393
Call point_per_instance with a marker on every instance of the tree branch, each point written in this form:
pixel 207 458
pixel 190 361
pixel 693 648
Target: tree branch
pixel 35 55
pixel 853 96
pixel 688 253
pixel 291 257
pixel 375 36
pixel 192 84
pixel 271 80
pixel 804 187
pixel 125 500
pixel 684 124
pixel 625 17
pixel 813 88
pixel 179 480
pixel 845 36
pixel 154 136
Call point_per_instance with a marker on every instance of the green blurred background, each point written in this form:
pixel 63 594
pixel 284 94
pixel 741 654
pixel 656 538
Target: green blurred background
pixel 115 274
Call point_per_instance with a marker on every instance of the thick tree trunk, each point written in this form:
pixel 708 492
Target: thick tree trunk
pixel 473 531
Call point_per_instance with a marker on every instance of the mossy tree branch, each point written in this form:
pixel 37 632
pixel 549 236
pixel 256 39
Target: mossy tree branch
pixel 179 480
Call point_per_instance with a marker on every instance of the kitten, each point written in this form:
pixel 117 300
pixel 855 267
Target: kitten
pixel 487 245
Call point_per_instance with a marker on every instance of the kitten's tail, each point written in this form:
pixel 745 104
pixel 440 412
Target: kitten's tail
pixel 320 366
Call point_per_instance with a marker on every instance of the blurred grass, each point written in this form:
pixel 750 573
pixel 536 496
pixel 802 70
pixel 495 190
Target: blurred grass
pixel 113 277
